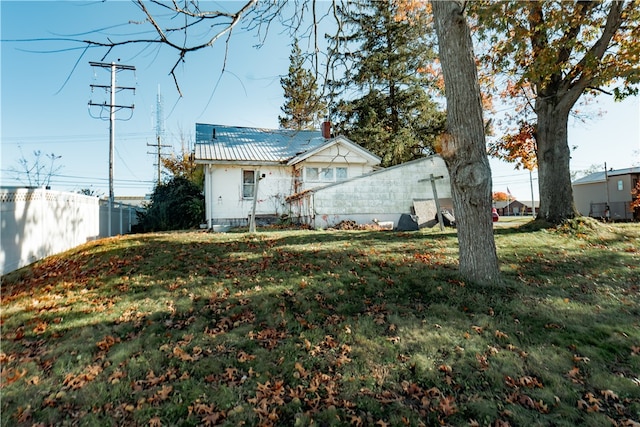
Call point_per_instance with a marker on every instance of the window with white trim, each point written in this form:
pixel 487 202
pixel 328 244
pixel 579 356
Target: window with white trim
pixel 341 174
pixel 248 183
pixel 325 174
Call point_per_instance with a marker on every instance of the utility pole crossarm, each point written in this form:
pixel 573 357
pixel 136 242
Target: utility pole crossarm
pixel 435 196
pixel 110 64
pixel 115 87
pixel 104 104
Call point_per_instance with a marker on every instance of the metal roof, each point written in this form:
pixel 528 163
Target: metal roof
pixel 231 143
pixel 600 176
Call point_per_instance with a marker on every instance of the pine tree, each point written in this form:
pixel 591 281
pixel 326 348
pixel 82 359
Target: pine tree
pixel 394 117
pixel 303 107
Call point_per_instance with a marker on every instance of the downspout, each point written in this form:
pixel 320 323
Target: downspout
pixel 312 210
pixel 208 185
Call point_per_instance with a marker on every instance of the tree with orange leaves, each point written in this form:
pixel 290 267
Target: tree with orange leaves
pixel 552 53
pixel 500 196
pixel 518 148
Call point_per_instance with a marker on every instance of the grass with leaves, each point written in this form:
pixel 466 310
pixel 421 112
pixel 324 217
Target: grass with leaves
pixel 326 328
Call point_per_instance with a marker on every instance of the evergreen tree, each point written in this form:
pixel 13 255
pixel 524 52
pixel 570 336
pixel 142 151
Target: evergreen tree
pixel 394 117
pixel 303 107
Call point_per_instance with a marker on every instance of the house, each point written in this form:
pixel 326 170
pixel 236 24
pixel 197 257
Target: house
pixel 594 193
pixel 515 207
pixel 309 176
pixel 241 162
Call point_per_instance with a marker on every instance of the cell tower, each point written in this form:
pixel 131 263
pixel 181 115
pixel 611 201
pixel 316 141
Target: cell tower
pixel 159 135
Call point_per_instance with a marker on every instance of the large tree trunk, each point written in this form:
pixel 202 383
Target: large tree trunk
pixel 464 147
pixel 554 178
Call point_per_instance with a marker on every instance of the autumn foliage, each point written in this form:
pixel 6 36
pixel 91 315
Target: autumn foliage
pixel 499 196
pixel 518 147
pixel 635 203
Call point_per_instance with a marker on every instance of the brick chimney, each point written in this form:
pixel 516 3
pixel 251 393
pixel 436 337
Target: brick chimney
pixel 326 129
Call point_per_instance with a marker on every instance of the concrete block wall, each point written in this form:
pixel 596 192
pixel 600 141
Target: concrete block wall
pixel 383 195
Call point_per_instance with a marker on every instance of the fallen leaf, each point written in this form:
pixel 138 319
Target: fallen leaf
pixel 501 335
pixel 574 375
pixel 444 368
pixel 244 357
pixel 40 328
pixel 11 375
pixel 182 355
pixel 447 405
pixel 582 359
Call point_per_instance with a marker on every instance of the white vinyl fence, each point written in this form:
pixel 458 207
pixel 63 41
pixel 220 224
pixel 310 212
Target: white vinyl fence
pixel 36 223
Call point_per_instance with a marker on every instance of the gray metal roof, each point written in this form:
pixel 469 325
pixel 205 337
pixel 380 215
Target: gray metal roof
pixel 241 144
pixel 600 176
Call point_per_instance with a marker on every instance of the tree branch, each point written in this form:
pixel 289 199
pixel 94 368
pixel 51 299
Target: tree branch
pixel 599 90
pixel 582 75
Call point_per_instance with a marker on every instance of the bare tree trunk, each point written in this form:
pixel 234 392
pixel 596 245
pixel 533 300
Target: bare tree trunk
pixel 556 193
pixel 464 147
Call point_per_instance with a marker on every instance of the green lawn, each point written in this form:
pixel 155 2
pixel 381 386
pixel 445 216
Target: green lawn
pixel 326 328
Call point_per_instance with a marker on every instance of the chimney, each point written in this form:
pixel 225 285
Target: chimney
pixel 326 129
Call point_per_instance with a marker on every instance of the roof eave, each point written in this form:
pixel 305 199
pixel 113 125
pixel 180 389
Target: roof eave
pixel 238 162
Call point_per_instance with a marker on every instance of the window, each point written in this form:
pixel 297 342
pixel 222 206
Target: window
pixel 325 174
pixel 620 185
pixel 341 174
pixel 248 184
pixel 312 174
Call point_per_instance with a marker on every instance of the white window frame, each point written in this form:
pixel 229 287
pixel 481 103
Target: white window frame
pixel 248 185
pixel 324 174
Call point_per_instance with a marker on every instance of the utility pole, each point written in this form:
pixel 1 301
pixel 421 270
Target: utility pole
pixel 159 135
pixel 435 197
pixel 113 107
pixel 533 200
pixel 607 209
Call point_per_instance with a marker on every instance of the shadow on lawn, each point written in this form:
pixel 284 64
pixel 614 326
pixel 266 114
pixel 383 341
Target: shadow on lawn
pixel 266 294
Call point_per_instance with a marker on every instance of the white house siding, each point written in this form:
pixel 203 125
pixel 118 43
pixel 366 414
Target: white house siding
pixel 383 195
pixel 225 203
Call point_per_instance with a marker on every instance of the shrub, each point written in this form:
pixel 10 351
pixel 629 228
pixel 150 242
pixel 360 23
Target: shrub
pixel 175 205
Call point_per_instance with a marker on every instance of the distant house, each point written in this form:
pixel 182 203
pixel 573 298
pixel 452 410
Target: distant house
pixel 309 176
pixel 515 207
pixel 611 189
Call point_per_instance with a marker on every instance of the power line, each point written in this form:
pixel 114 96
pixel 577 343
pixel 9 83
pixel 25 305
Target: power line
pixel 113 107
pixel 68 139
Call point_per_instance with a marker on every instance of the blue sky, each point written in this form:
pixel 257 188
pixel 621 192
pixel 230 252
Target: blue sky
pixel 45 90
